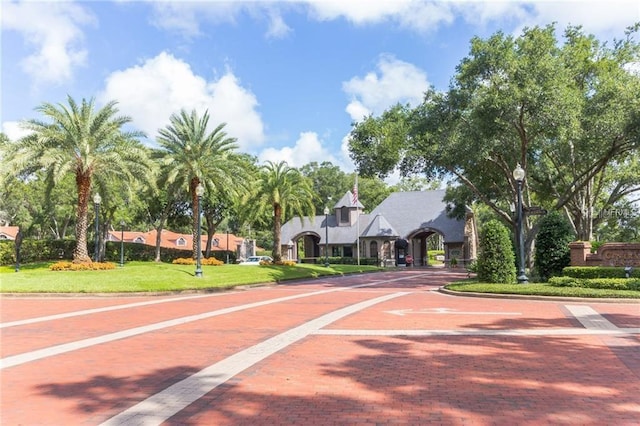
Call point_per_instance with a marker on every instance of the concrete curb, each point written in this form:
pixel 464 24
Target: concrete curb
pixel 534 297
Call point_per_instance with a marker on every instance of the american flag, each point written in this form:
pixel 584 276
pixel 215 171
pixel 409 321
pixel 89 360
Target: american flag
pixel 354 199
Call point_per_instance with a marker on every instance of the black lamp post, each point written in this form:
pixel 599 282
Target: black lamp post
pixel 121 243
pixel 199 193
pixel 518 175
pixel 227 246
pixel 97 199
pixel 326 236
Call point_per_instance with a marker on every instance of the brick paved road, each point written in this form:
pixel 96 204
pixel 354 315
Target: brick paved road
pixel 379 348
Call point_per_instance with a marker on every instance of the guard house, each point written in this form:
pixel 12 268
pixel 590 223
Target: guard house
pixel 399 227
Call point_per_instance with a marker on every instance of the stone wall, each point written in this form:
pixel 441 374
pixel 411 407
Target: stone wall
pixel 608 254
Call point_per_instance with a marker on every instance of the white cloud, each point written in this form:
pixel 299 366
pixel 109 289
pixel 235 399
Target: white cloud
pixel 53 31
pixel 307 148
pixel 163 85
pixel 599 17
pixel 414 14
pixel 394 81
pixel 186 17
pixel 13 130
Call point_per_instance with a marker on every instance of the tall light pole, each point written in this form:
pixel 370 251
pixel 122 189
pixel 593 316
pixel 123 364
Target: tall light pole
pixel 97 199
pixel 199 193
pixel 227 245
pixel 518 175
pixel 326 236
pixel 121 243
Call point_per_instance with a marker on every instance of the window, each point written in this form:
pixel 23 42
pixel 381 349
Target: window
pixel 139 240
pixel 348 251
pixel 373 249
pixel 344 215
pixel 180 242
pixel 215 242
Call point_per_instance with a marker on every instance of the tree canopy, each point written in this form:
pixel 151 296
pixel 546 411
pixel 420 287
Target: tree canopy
pixel 569 113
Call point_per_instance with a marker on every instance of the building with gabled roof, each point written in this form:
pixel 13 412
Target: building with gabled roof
pixel 398 227
pixel 9 232
pixel 170 239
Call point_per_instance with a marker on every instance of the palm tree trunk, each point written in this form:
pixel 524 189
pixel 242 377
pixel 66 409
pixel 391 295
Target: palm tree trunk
pixel 83 183
pixel 277 233
pixel 195 203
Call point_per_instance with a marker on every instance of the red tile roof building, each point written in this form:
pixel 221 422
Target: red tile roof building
pixel 170 239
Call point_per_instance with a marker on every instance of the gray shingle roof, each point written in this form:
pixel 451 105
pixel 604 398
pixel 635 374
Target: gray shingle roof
pixel 347 201
pixel 399 215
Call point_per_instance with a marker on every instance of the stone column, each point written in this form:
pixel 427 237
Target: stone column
pixel 579 252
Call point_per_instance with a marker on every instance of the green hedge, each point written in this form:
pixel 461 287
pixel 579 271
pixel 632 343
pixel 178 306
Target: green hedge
pixel 36 251
pixel 342 260
pixel 601 283
pixel 598 272
pixel 46 250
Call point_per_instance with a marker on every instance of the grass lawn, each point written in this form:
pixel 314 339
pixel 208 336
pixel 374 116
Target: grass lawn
pixel 540 289
pixel 151 277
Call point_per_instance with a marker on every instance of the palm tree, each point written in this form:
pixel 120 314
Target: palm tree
pixel 190 156
pixel 284 191
pixel 84 142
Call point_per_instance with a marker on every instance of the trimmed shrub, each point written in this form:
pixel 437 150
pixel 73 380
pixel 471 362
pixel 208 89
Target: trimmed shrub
pixel 496 261
pixel 552 251
pixel 598 272
pixel 85 266
pixel 211 261
pixel 600 283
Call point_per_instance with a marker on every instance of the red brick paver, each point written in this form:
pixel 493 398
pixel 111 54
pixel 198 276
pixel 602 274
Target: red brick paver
pixel 340 378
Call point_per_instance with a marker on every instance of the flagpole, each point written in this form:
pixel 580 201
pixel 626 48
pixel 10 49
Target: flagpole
pixel 355 199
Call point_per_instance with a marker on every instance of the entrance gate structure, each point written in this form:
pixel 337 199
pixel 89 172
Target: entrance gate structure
pixel 400 226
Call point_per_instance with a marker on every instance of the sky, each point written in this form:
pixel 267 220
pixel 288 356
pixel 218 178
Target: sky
pixel 287 77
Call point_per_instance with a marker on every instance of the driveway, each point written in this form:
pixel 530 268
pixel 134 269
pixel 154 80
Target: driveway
pixel 383 348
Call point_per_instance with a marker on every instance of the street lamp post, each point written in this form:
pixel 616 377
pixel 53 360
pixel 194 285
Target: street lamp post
pixel 326 236
pixel 518 175
pixel 227 246
pixel 97 199
pixel 199 193
pixel 121 243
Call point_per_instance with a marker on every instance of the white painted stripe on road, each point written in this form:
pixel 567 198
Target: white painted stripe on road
pixel 161 406
pixel 14 360
pixel 589 318
pixel 480 332
pixel 105 309
pixel 137 304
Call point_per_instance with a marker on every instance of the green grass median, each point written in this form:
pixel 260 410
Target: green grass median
pixel 157 277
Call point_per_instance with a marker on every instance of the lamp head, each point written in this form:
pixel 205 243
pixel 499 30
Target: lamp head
pixel 97 199
pixel 200 190
pixel 326 210
pixel 518 173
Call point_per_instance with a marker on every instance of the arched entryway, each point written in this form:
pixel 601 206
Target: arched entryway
pixel 423 240
pixel 304 248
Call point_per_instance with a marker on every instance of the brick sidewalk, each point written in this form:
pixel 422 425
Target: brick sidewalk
pixel 369 349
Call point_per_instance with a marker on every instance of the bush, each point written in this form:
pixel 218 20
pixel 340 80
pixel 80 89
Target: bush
pixel 600 283
pixel 598 272
pixel 552 251
pixel 85 266
pixel 46 250
pixel 211 261
pixel 36 251
pixel 496 261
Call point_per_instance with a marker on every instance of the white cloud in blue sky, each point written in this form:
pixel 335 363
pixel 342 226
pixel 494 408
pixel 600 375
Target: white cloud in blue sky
pixel 288 77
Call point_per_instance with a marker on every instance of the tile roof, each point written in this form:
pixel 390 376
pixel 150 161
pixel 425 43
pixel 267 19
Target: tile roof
pixel 170 239
pixel 9 232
